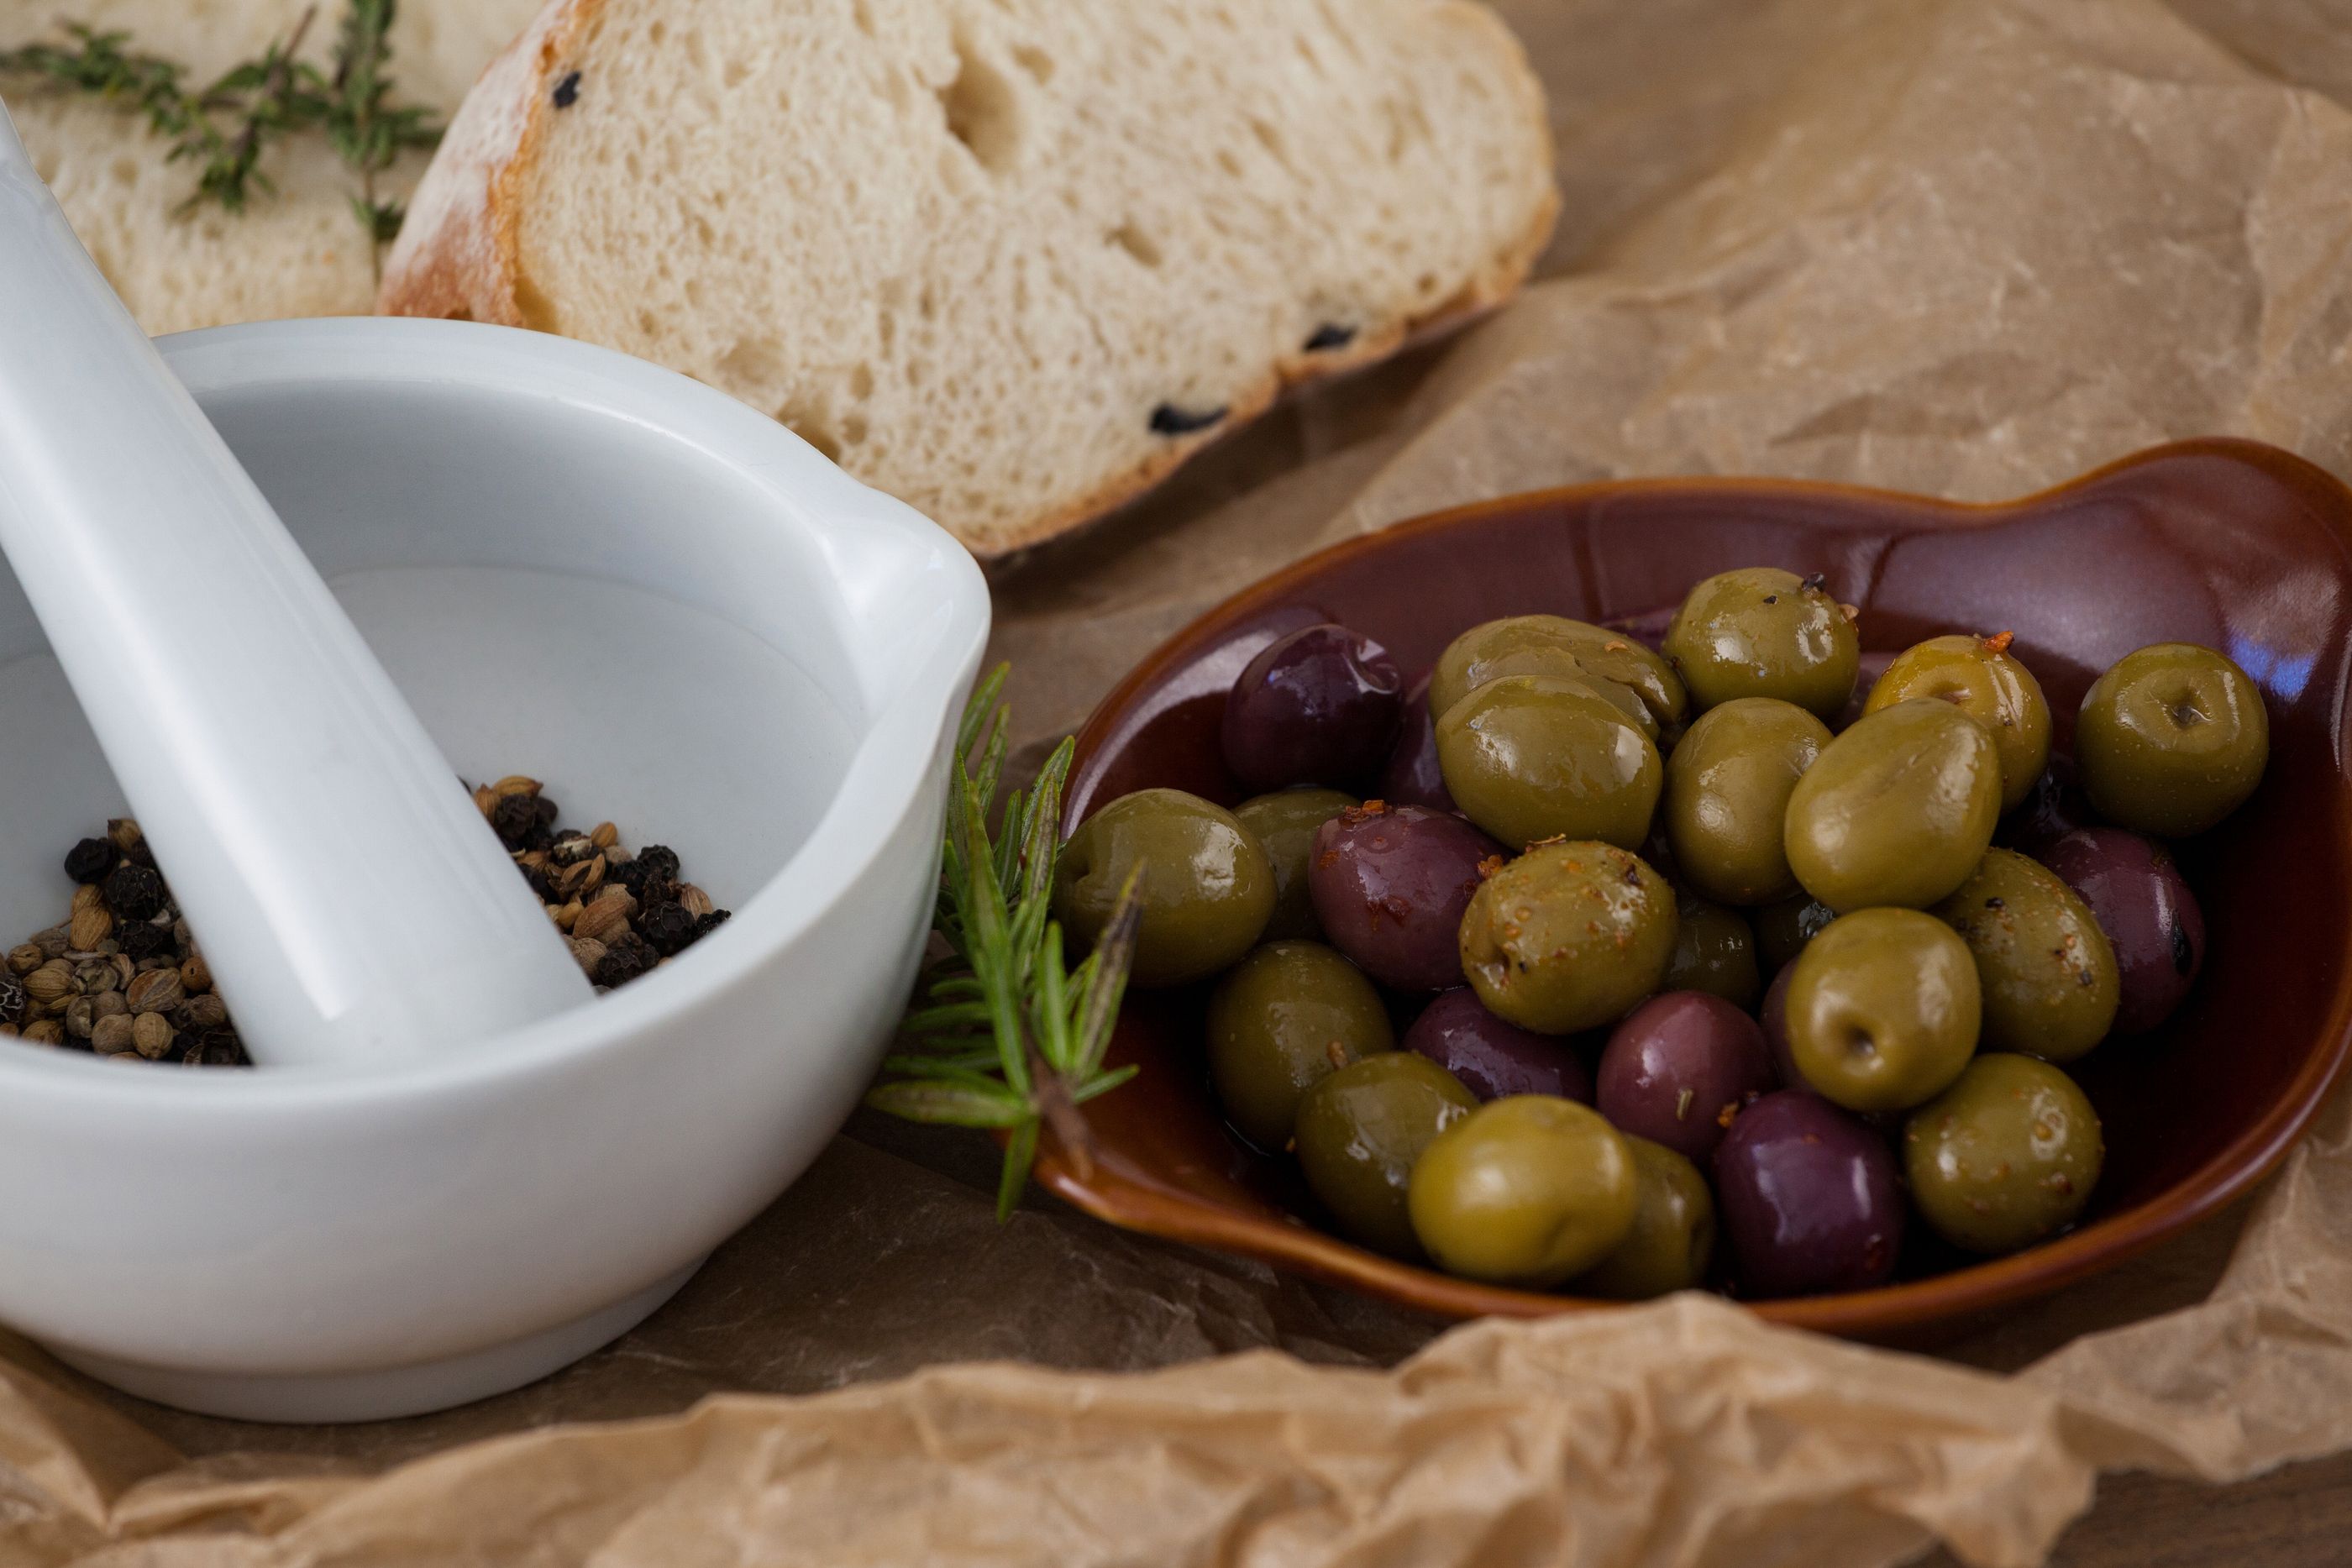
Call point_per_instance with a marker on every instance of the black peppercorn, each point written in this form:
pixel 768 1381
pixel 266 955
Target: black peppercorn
pixel 1329 336
pixel 667 927
pixel 11 1000
pixel 709 923
pixel 541 883
pixel 652 876
pixel 514 819
pixel 626 956
pixel 567 91
pixel 132 891
pixel 144 939
pixel 216 1047
pixel 90 860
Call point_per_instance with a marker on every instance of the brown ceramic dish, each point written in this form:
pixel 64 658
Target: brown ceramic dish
pixel 2225 543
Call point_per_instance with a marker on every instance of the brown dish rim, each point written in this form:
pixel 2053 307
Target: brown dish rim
pixel 1135 1202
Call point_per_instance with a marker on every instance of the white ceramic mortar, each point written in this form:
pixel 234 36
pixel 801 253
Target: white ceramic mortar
pixel 575 566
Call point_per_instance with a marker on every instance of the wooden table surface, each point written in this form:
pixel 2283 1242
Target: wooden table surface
pixel 2299 1517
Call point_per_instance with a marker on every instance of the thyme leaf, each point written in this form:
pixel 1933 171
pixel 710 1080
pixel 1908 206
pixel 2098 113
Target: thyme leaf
pixel 226 127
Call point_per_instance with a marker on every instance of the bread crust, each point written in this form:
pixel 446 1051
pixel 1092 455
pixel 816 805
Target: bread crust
pixel 459 252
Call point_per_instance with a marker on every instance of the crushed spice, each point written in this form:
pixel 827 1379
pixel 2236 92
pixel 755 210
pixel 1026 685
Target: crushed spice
pixel 122 977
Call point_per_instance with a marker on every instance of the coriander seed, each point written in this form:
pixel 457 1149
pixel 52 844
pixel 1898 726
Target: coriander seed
pixel 606 917
pixel 156 991
pixel 52 982
pixel 151 1035
pixel 113 1035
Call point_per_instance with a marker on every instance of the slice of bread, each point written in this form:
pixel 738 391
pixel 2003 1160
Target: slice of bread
pixel 299 252
pixel 1011 260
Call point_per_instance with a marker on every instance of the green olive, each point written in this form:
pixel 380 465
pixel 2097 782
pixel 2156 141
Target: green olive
pixel 1977 675
pixel 1361 1129
pixel 1783 929
pixel 1764 633
pixel 2049 973
pixel 1715 952
pixel 1882 1009
pixel 1672 1239
pixel 1529 758
pixel 1284 824
pixel 2171 739
pixel 1551 662
pixel 1283 1018
pixel 1569 937
pixel 1898 810
pixel 2005 1156
pixel 1545 645
pixel 1530 1190
pixel 1202 883
pixel 1726 796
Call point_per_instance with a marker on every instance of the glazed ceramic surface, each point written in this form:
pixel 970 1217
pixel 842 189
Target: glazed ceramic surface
pixel 575 566
pixel 2225 543
pixel 238 707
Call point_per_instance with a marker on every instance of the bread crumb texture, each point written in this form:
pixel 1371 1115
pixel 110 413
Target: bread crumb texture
pixel 1009 260
pixel 295 251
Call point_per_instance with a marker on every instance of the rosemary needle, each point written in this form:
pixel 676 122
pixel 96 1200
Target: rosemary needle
pixel 1002 1034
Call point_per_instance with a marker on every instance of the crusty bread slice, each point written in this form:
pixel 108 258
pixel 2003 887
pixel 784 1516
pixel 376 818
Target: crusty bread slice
pixel 1011 260
pixel 299 252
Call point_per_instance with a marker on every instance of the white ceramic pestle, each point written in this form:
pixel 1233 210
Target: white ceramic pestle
pixel 351 901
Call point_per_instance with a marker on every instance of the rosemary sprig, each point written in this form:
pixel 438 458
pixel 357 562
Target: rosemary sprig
pixel 226 128
pixel 1002 1034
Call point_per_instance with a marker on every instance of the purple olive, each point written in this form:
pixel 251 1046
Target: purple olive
pixel 1808 1198
pixel 1318 707
pixel 2151 919
pixel 2055 807
pixel 1412 777
pixel 1496 1059
pixel 1390 886
pixel 1678 1068
pixel 1647 627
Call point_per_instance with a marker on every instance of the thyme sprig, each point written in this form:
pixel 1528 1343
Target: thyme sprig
pixel 365 127
pixel 1002 1034
pixel 225 126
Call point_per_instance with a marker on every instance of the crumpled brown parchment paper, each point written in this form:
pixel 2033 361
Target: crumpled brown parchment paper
pixel 1969 246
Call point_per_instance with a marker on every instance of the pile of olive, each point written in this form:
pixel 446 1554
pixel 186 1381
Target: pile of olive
pixel 1489 954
